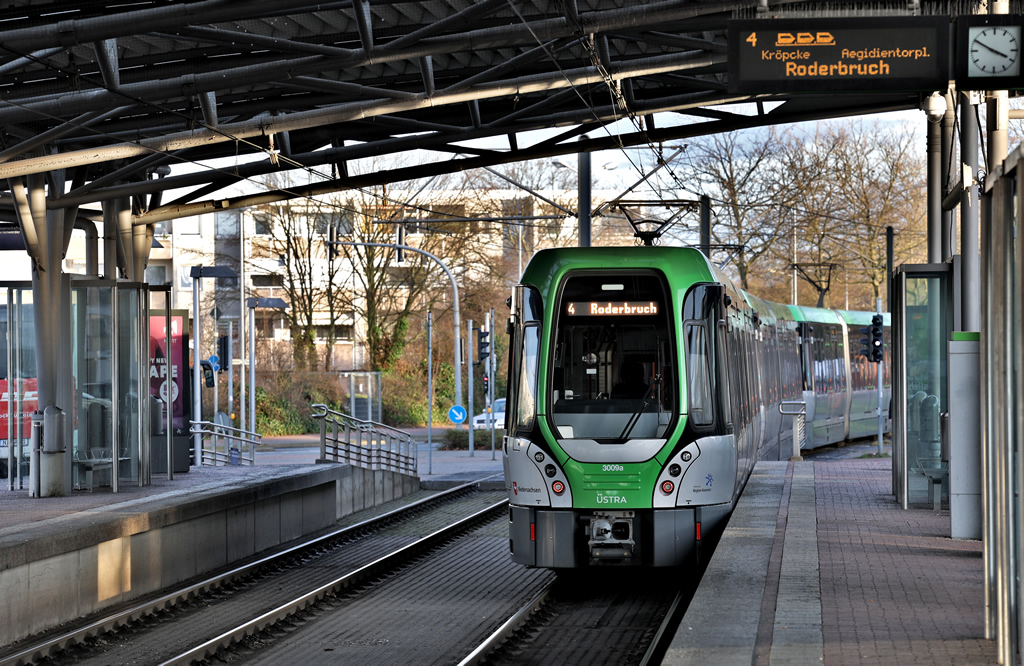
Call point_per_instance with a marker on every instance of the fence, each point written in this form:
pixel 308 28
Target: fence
pixel 224 445
pixel 365 444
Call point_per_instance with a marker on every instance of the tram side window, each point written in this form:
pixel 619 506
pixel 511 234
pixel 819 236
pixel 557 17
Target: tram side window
pixel 725 390
pixel 526 403
pixel 698 375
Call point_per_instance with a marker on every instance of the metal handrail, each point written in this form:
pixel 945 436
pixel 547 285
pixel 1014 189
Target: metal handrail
pixel 214 436
pixel 364 443
pixel 798 407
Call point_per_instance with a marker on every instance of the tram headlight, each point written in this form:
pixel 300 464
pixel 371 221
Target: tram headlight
pixel 686 456
pixel 550 470
pixel 674 470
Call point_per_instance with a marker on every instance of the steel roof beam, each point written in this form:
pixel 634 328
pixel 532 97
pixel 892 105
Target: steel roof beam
pixel 503 37
pixel 465 16
pixel 18 64
pixel 107 61
pixel 533 55
pixel 133 169
pixel 208 103
pixel 675 41
pixel 343 88
pixel 235 37
pixel 81 122
pixel 352 111
pixel 434 168
pixel 440 141
pixel 123 24
pixel 364 24
pixel 427 72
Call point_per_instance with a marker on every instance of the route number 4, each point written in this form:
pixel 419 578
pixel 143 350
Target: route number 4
pixel 752 39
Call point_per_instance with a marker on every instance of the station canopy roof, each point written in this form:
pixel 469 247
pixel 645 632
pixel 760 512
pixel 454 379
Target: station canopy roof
pixel 106 94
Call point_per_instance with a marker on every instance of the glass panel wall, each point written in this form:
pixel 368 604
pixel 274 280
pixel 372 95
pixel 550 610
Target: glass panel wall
pixel 18 383
pixel 132 368
pixel 924 326
pixel 110 368
pixel 92 359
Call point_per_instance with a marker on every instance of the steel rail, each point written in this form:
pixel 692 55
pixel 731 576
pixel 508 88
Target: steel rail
pixel 109 623
pixel 509 626
pixel 656 650
pixel 290 608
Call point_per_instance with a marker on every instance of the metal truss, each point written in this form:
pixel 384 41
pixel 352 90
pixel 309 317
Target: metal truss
pixel 110 94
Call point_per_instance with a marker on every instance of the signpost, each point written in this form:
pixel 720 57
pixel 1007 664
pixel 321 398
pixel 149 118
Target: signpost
pixel 457 414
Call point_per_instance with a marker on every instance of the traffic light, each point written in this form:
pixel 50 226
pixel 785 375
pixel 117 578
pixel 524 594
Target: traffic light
pixel 483 347
pixel 332 239
pixel 487 384
pixel 222 349
pixel 877 353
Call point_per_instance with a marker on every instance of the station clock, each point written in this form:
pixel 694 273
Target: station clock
pixel 988 54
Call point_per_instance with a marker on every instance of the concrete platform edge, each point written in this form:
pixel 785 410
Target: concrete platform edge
pixel 68 567
pixel 721 624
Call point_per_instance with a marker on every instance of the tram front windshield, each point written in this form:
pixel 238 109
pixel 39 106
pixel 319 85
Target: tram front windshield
pixel 613 358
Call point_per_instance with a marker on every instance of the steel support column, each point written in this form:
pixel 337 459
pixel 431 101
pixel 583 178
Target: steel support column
pixel 971 280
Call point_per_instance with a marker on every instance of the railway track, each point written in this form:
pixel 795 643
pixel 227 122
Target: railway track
pixel 604 616
pixel 204 616
pixel 617 617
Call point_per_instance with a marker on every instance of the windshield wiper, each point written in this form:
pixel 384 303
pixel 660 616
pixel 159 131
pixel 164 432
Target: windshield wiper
pixel 633 420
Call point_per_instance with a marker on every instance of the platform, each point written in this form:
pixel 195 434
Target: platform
pixel 818 564
pixel 67 557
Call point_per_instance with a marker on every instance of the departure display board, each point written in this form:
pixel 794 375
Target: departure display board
pixel 611 308
pixel 839 55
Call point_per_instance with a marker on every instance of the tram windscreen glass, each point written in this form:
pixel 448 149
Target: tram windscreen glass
pixel 613 357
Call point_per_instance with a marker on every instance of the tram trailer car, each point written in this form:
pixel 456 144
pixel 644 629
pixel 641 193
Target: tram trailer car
pixel 643 387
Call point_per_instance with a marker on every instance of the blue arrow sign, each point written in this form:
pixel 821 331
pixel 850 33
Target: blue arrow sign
pixel 457 414
pixel 215 362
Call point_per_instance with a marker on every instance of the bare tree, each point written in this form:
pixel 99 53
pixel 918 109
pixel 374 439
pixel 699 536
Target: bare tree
pixel 294 234
pixel 858 178
pixel 741 173
pixel 389 288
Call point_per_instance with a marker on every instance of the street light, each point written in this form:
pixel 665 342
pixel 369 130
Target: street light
pixel 198 273
pixel 253 303
pixel 455 307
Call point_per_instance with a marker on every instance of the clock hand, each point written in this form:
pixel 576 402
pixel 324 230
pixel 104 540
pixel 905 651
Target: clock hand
pixel 998 53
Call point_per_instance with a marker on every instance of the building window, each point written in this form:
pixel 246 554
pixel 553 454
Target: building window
pixel 156 275
pixel 341 332
pixel 226 224
pixel 263 224
pixel 268 280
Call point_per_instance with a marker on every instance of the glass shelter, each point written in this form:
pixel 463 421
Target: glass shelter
pixel 103 382
pixel 922 322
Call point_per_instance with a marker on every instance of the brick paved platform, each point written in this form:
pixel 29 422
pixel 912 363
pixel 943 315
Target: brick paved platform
pixel 819 565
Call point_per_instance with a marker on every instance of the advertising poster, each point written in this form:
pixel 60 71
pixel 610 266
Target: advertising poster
pixel 164 382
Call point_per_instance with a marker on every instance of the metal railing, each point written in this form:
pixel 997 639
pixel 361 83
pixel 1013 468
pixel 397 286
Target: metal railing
pixel 798 410
pixel 224 445
pixel 346 439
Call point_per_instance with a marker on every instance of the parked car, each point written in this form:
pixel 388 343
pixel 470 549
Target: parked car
pixel 498 408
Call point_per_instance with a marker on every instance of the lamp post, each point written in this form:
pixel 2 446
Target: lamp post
pixel 198 273
pixel 254 303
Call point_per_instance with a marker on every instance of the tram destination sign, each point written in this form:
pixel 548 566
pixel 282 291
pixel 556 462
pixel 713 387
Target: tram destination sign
pixel 839 55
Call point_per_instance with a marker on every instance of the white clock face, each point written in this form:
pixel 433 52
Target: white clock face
pixel 994 51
